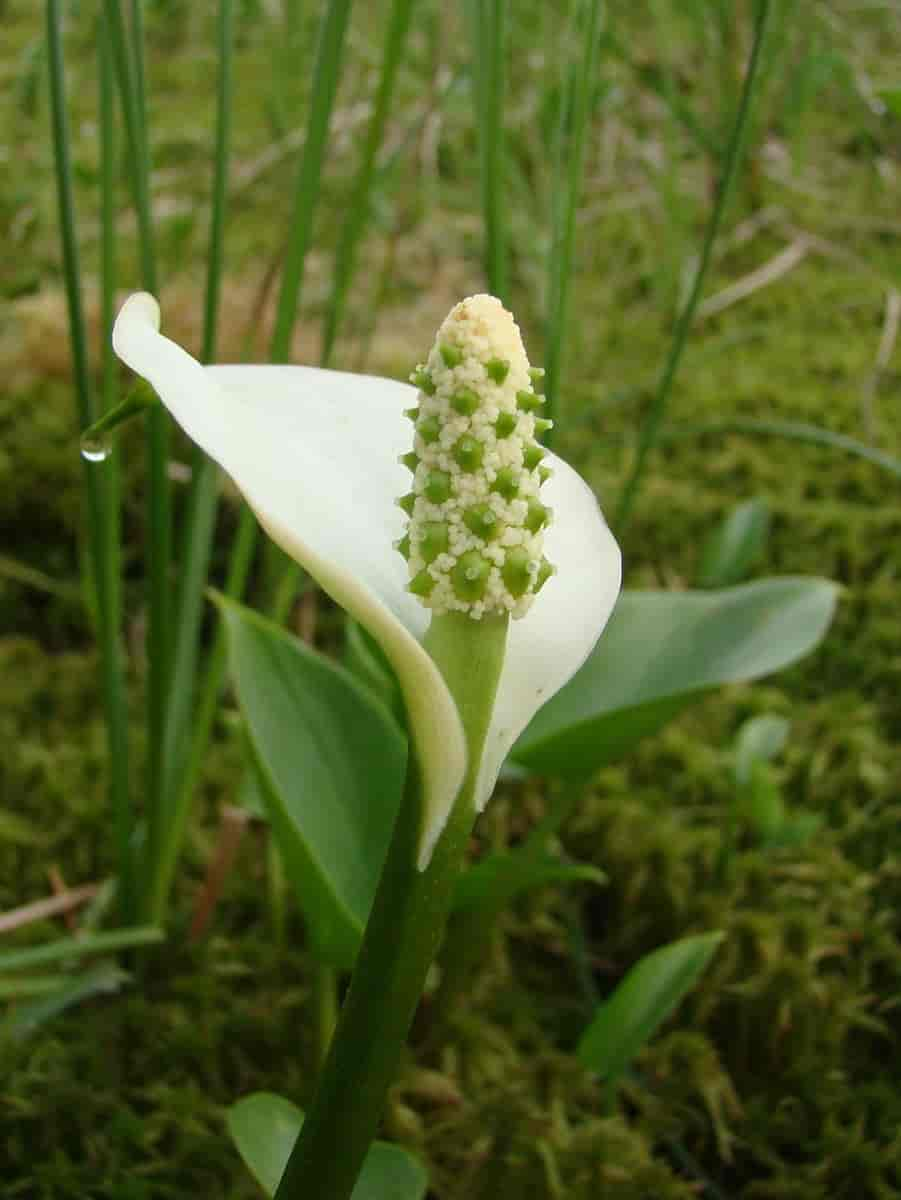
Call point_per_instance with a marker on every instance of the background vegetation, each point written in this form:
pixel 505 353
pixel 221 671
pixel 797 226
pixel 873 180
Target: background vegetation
pixel 778 1078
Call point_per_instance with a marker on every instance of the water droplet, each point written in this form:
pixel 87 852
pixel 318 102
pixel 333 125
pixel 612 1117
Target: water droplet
pixel 95 449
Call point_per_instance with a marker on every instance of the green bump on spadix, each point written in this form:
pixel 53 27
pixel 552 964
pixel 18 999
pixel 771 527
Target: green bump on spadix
pixel 450 354
pixel 468 453
pixel 544 474
pixel 410 460
pixel 423 380
pixel 482 520
pixel 545 571
pixel 542 425
pixel 412 414
pixel 505 424
pixel 505 483
pixel 437 487
pixel 497 369
pixel 433 540
pixel 464 401
pixel 536 374
pixel 537 515
pixel 403 546
pixel 532 456
pixel 407 502
pixel 421 584
pixel 517 571
pixel 429 429
pixel 528 401
pixel 470 576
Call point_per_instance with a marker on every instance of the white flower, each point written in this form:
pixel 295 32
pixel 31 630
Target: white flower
pixel 315 454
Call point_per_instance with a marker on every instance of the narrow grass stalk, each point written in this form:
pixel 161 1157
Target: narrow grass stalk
pixel 201 726
pixel 129 66
pixel 204 494
pixel 487 20
pixel 136 28
pixel 575 110
pixel 71 949
pixel 100 485
pixel 734 151
pixel 112 655
pixel 326 73
pixel 345 256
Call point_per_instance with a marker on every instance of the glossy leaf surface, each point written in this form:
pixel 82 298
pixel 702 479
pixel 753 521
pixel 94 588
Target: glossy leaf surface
pixel 661 651
pixel 330 763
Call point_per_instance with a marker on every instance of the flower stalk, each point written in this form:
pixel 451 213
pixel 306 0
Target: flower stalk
pixel 402 936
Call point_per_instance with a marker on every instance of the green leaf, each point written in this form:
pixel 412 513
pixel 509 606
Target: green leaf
pixel 264 1127
pixel 626 1021
pixel 758 741
pixel 498 879
pixel 762 803
pixel 661 651
pixel 331 766
pixel 735 545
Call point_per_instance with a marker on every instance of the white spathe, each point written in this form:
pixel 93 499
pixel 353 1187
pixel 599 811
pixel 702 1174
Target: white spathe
pixel 315 454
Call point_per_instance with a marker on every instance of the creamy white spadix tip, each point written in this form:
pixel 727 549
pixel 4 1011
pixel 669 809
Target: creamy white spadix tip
pixel 475 535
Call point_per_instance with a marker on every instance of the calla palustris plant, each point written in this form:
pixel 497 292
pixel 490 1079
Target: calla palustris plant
pixel 479 562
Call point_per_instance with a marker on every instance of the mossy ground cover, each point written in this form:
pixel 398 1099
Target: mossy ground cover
pixel 777 1080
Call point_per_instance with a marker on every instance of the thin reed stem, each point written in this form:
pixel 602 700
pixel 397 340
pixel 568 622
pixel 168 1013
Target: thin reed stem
pixel 487 20
pixel 575 110
pixel 101 481
pixel 128 59
pixel 203 719
pixel 345 256
pixel 326 72
pixel 204 493
pixel 734 152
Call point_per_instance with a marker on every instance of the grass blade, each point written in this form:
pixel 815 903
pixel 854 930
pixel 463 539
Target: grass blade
pixel 204 494
pixel 575 110
pixel 345 256
pixel 100 484
pixel 325 82
pixel 128 60
pixel 75 948
pixel 734 152
pixel 487 19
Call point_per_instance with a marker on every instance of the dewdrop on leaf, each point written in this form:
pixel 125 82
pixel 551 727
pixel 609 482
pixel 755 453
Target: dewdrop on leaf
pixel 475 536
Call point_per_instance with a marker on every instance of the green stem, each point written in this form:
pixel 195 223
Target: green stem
pixel 401 937
pixel 345 256
pixel 204 717
pixel 128 61
pixel 487 30
pixel 734 152
pixel 575 110
pixel 204 492
pixel 100 485
pixel 325 999
pixel 325 81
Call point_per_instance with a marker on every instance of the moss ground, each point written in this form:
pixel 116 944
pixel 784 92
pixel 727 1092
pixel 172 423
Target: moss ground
pixel 778 1078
